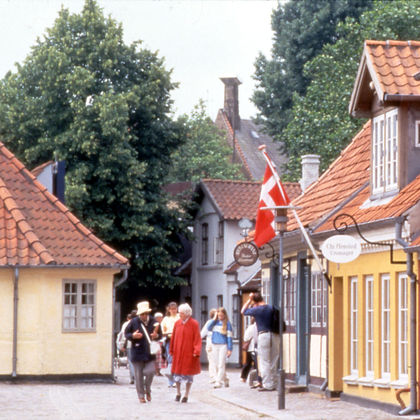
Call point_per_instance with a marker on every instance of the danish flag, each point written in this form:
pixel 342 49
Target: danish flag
pixel 272 194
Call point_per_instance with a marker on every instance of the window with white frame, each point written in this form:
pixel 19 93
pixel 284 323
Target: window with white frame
pixel 403 325
pixel 290 300
pixel 369 331
pixel 236 314
pixel 219 244
pixel 417 141
pixel 79 305
pixel 386 326
pixel 319 296
pixel 385 152
pixel 353 326
pixel 204 244
pixel 204 310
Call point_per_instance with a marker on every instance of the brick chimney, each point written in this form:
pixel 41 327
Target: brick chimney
pixel 231 105
pixel 310 170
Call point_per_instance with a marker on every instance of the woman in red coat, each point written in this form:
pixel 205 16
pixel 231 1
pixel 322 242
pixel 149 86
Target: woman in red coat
pixel 185 350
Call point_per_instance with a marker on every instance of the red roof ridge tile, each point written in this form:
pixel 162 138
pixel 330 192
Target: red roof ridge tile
pixel 392 42
pixel 235 143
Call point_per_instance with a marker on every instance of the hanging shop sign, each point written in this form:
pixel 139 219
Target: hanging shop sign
pixel 246 253
pixel 341 248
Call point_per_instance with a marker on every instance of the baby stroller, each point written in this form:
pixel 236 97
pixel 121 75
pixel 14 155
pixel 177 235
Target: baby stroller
pixel 120 359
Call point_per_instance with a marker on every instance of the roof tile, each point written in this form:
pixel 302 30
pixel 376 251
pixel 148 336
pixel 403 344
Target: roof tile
pixel 239 199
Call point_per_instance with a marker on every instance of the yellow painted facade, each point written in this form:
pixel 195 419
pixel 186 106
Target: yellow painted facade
pixel 43 348
pixel 349 372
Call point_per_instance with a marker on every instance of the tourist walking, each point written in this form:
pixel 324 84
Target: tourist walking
pixel 185 349
pixel 221 339
pixel 268 341
pixel 167 325
pixel 249 346
pixel 206 334
pixel 124 345
pixel 140 331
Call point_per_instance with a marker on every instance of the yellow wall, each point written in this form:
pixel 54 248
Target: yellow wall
pixel 373 264
pixel 43 348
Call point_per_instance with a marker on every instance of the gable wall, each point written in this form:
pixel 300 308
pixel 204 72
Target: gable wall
pixel 43 348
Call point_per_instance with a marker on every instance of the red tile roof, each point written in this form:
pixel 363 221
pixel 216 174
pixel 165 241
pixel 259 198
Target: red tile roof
pixel 397 206
pixel 37 229
pixel 238 199
pixel 395 63
pixel 345 176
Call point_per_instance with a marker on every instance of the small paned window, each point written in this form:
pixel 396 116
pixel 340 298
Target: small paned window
pixel 204 244
pixel 386 327
pixel 79 305
pixel 369 326
pixel 353 326
pixel 204 310
pixel 403 325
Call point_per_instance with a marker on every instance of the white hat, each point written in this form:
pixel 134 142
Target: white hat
pixel 143 307
pixel 158 314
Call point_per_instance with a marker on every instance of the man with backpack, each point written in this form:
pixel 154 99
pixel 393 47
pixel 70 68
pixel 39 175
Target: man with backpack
pixel 268 339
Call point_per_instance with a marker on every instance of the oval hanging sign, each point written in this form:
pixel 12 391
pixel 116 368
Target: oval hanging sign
pixel 246 253
pixel 341 248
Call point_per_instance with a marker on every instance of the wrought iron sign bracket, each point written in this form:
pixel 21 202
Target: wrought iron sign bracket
pixel 343 226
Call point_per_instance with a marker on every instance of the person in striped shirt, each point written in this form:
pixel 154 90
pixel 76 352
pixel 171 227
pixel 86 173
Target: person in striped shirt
pixel 221 339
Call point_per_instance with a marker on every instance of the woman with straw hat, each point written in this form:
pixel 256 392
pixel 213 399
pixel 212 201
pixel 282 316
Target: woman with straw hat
pixel 140 331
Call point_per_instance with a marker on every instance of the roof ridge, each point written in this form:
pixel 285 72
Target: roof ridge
pixel 235 144
pixel 22 224
pixel 238 181
pixel 392 42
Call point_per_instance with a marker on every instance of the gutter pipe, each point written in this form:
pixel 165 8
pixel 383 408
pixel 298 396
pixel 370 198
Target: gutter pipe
pixel 118 283
pixel 15 320
pixel 413 320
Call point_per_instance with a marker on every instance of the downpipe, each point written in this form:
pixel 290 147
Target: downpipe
pixel 114 291
pixel 413 320
pixel 15 320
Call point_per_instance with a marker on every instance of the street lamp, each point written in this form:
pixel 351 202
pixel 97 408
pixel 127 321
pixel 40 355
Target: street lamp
pixel 281 223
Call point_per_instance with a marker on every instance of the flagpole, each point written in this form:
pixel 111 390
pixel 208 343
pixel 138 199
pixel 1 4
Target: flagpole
pixel 301 227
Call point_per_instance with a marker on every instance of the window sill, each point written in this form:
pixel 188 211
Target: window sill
pixel 399 384
pixel 351 379
pixel 365 381
pixel 382 383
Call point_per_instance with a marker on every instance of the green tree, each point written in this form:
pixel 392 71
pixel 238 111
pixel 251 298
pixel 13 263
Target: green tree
pixel 301 28
pixel 320 119
pixel 205 153
pixel 104 107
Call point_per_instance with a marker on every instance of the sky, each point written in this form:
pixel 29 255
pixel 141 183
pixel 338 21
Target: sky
pixel 200 40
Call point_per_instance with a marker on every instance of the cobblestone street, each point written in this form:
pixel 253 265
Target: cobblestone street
pixel 119 401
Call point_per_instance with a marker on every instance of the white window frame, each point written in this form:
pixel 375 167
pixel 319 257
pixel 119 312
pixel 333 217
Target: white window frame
pixel 204 244
pixel 319 295
pixel 403 326
pixel 79 305
pixel 385 326
pixel 385 152
pixel 417 136
pixel 353 327
pixel 219 244
pixel 369 324
pixel 290 298
pixel 204 309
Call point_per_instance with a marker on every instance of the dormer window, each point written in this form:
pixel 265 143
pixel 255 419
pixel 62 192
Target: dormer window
pixel 385 152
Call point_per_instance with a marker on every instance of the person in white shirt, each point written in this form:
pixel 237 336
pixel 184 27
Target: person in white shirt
pixel 167 326
pixel 206 334
pixel 125 345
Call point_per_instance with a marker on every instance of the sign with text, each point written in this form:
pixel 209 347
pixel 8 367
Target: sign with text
pixel 341 248
pixel 245 253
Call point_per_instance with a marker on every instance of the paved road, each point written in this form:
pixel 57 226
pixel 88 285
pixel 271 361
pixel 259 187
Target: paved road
pixel 42 401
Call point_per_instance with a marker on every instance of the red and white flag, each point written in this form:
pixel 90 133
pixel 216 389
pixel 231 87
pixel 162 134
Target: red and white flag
pixel 273 194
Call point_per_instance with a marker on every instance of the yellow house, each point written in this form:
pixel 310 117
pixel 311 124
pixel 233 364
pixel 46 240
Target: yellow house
pixel 372 192
pixel 56 285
